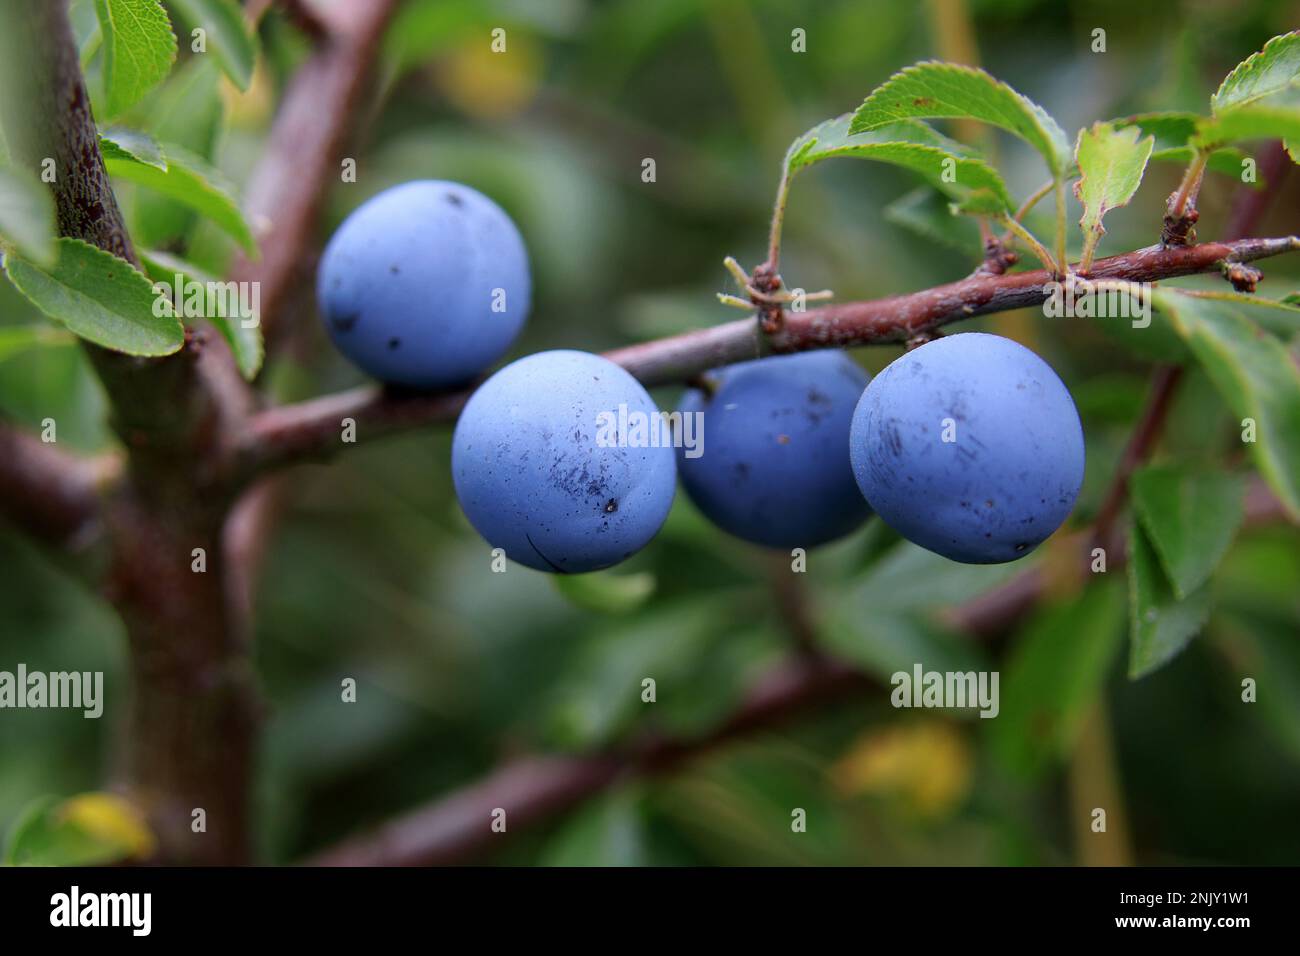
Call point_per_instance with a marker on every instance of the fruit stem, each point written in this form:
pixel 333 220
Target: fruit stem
pixel 778 220
pixel 1035 246
pixel 1089 247
pixel 1060 227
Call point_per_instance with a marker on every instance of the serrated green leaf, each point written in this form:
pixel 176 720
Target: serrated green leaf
pixel 1260 75
pixel 228 35
pixel 1253 372
pixel 1111 164
pixel 1054 675
pixel 27 215
pixel 945 90
pixel 1246 123
pixel 139 50
pixel 189 180
pixel 1160 624
pixel 1189 518
pixel 925 212
pixel 946 165
pixel 100 298
pixel 91 829
pixel 606 592
pixel 245 341
pixel 120 142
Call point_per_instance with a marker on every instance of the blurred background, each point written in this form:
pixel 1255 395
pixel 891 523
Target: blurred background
pixel 374 574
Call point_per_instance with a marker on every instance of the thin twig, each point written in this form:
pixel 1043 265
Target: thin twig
pixel 311 430
pixel 458 827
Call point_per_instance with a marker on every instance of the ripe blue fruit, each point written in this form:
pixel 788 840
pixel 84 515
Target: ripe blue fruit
pixel 969 446
pixel 539 473
pixel 774 467
pixel 425 285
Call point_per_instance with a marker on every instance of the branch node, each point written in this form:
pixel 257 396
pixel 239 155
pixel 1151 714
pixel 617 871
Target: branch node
pixel 1243 276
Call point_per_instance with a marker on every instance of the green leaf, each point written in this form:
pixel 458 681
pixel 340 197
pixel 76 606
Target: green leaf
pixel 1173 133
pixel 1260 75
pixel 886 642
pixel 1111 164
pixel 245 342
pixel 945 90
pixel 228 35
pixel 136 145
pixel 926 212
pixel 1247 123
pixel 15 339
pixel 945 164
pixel 608 831
pixel 91 829
pixel 100 298
pixel 1278 316
pixel 139 50
pixel 189 180
pixel 879 623
pixel 1253 372
pixel 1160 624
pixel 1268 650
pixel 1054 675
pixel 187 111
pixel 1190 519
pixel 27 215
pixel 605 591
pixel 700 658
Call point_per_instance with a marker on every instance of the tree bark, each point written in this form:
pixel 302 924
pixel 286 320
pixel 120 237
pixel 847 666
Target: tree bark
pixel 190 729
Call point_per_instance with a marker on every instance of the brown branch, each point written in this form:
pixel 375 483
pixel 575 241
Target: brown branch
pixel 1142 441
pixel 304 151
pixel 191 740
pixel 533 789
pixel 50 494
pixel 288 189
pixel 311 429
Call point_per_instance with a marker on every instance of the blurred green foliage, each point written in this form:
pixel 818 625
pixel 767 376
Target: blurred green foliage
pixel 375 575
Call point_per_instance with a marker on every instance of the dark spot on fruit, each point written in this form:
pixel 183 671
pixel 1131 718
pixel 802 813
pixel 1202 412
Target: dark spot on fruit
pixel 344 323
pixel 988 503
pixel 455 200
pixel 394 270
pixel 611 506
pixel 394 343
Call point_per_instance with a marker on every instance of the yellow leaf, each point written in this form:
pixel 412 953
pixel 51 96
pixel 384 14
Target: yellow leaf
pixel 108 819
pixel 922 766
